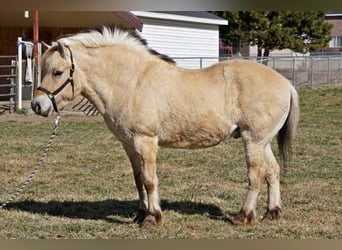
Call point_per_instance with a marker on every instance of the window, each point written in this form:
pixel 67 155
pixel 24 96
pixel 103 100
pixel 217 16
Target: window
pixel 335 42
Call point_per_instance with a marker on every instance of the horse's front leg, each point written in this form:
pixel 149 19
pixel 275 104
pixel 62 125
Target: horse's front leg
pixel 144 153
pixel 137 171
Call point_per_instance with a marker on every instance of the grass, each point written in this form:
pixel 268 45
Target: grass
pixel 85 187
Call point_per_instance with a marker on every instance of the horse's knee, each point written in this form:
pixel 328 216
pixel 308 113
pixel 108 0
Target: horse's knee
pixel 150 184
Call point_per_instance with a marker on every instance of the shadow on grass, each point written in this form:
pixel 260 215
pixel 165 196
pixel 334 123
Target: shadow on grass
pixel 4 109
pixel 104 210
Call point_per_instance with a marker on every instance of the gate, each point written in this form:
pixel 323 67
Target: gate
pixel 8 82
pixel 17 77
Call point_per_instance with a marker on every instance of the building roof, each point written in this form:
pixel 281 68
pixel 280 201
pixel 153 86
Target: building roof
pixel 70 19
pixel 185 16
pixel 334 13
pixel 200 14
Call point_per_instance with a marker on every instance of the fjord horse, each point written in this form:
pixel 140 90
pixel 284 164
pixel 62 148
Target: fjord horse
pixel 148 102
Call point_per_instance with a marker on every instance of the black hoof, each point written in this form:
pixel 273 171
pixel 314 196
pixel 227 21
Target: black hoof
pixel 140 217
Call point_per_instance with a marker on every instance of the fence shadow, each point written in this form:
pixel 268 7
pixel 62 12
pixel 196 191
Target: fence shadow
pixel 105 210
pixel 4 109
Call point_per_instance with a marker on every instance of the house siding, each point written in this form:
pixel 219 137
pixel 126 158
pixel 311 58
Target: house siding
pixel 183 41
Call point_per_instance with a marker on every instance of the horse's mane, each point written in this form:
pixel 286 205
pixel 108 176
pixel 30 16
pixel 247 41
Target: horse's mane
pixel 111 35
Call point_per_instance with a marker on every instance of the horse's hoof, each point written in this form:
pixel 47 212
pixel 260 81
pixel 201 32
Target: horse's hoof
pixel 244 218
pixel 273 214
pixel 140 217
pixel 152 220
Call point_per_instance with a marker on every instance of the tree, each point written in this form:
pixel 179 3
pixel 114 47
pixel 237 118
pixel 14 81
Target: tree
pixel 300 31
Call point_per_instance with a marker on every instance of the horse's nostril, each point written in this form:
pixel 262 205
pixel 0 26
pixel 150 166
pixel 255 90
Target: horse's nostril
pixel 35 107
pixel 38 108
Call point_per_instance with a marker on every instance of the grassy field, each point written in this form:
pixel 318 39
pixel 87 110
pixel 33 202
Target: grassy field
pixel 85 187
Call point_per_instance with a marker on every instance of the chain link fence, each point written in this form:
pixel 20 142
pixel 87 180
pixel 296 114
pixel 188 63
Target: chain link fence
pixel 302 71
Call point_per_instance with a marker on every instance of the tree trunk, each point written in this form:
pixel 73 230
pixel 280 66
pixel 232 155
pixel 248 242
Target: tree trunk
pixel 259 53
pixel 266 55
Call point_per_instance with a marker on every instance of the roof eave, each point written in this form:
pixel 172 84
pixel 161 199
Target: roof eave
pixel 130 18
pixel 164 16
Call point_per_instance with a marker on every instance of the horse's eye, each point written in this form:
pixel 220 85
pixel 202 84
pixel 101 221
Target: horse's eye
pixel 58 73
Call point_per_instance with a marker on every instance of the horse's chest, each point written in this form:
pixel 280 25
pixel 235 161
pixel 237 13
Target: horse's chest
pixel 118 127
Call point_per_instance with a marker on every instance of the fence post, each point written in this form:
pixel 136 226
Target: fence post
pixel 38 79
pixel 328 69
pixel 19 75
pixel 311 71
pixel 273 62
pixel 12 88
pixel 293 71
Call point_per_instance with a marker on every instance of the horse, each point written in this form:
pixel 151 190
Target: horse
pixel 148 102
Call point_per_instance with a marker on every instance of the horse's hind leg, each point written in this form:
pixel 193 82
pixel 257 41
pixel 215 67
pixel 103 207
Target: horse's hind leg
pixel 256 173
pixel 273 184
pixel 144 157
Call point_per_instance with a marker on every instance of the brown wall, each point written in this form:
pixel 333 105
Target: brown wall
pixel 337 26
pixel 9 36
pixel 336 31
pixel 8 46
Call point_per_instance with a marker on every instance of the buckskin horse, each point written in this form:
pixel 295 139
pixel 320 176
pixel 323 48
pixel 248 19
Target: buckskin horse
pixel 148 102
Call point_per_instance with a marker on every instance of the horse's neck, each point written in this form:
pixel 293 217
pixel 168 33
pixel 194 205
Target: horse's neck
pixel 106 80
pixel 95 100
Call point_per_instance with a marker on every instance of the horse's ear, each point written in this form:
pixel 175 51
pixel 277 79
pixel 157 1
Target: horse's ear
pixel 60 48
pixel 46 45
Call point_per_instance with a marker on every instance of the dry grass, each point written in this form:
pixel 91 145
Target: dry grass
pixel 85 187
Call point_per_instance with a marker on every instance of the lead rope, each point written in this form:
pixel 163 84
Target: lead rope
pixel 35 170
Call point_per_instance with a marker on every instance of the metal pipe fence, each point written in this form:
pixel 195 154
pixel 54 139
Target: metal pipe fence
pixel 8 81
pixel 302 71
pixel 9 84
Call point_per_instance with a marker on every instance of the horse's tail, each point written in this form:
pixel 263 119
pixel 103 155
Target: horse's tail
pixel 286 133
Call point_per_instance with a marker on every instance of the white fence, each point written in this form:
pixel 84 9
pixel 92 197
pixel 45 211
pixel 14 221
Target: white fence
pixel 301 71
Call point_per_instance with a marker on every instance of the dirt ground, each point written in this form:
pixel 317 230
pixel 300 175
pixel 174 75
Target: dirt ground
pixel 32 118
pixel 76 111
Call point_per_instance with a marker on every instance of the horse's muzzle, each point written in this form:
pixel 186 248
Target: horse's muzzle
pixel 42 105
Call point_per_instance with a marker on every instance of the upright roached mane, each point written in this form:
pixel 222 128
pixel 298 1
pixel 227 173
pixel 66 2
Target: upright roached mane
pixel 148 102
pixel 108 36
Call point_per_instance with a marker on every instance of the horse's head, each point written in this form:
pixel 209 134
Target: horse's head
pixel 57 87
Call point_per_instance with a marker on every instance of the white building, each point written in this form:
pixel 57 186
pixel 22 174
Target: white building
pixel 183 35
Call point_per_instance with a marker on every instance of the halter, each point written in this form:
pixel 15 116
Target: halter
pixel 70 80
